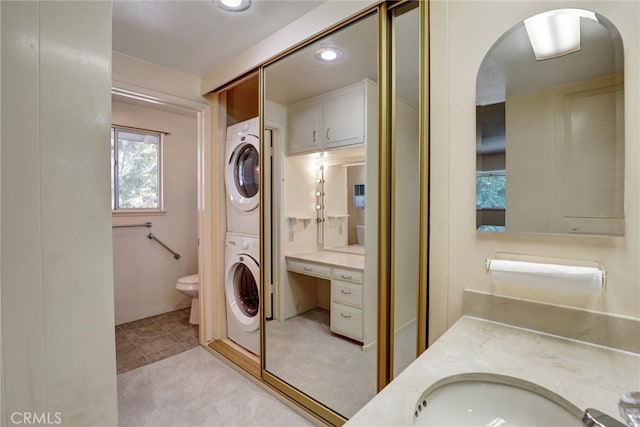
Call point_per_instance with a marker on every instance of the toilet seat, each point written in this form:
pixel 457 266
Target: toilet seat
pixel 190 286
pixel 189 283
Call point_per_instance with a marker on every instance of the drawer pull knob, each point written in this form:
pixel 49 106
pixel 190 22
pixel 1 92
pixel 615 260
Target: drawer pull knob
pixel 307 268
pixel 345 292
pixel 344 276
pixel 346 316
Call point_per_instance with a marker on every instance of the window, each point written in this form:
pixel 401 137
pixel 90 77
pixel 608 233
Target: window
pixel 136 170
pixel 491 190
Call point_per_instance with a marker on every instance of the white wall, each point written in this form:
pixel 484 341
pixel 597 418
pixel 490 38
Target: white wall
pixel 128 71
pixel 145 274
pixel 57 294
pixel 555 172
pixel 355 175
pixel 459 42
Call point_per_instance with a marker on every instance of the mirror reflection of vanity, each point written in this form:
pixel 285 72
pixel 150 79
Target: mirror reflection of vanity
pixel 550 130
pixel 322 337
pixel 331 179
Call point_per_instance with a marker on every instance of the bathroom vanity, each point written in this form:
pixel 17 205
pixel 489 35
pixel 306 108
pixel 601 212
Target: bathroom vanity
pixel 580 374
pixel 345 271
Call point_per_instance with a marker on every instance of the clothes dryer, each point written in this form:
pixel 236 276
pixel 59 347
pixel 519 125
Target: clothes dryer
pixel 242 177
pixel 242 290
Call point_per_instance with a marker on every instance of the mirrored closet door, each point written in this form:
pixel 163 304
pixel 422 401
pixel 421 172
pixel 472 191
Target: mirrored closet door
pixel 320 105
pixel 342 220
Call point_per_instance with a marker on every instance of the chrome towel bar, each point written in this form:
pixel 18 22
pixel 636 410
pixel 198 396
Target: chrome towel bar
pixel 146 224
pixel 151 236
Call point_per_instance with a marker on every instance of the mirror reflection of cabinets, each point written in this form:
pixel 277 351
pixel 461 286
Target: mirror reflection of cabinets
pixel 330 120
pixel 550 132
pixel 323 343
pixel 322 338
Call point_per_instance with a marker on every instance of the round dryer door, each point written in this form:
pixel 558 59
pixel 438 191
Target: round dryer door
pixel 243 296
pixel 243 174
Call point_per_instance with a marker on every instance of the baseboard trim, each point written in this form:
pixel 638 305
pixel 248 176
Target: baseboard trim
pixel 153 312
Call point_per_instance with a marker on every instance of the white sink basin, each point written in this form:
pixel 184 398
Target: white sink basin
pixel 493 401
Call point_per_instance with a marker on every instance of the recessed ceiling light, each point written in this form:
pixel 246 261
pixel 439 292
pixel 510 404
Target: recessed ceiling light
pixel 328 54
pixel 233 5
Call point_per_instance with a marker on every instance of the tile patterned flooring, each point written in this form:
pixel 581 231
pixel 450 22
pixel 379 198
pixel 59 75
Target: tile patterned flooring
pixel 154 338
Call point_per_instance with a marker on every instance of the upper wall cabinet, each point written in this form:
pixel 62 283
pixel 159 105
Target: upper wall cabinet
pixel 305 127
pixel 335 119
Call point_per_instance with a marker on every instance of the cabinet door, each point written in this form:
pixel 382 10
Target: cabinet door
pixel 304 128
pixel 344 117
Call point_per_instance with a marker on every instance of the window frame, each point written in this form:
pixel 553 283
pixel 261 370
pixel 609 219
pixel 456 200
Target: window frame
pixel 117 211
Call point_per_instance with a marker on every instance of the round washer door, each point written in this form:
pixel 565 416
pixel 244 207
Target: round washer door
pixel 243 174
pixel 241 289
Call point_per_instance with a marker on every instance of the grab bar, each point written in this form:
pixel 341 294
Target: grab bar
pixel 151 236
pixel 146 224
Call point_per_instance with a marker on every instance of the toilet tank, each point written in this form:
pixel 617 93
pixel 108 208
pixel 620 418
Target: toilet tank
pixel 360 234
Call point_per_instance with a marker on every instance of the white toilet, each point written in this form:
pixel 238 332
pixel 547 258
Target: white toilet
pixel 190 286
pixel 360 234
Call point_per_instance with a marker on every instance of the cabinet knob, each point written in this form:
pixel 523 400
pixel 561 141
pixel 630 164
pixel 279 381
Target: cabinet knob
pixel 314 136
pixel 307 268
pixel 346 316
pixel 345 292
pixel 344 276
pixel 328 137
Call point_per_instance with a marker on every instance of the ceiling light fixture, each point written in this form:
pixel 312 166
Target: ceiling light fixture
pixel 328 54
pixel 233 5
pixel 556 32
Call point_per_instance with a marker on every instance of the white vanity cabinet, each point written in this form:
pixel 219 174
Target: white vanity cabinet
pixel 331 120
pixel 346 303
pixel 346 273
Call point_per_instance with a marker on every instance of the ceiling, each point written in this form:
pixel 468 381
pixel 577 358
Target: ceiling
pixel 196 36
pixel 299 75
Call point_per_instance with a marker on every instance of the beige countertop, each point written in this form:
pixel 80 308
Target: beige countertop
pixel 586 375
pixel 332 258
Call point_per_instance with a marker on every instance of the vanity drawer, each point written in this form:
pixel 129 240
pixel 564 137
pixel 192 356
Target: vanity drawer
pixel 354 276
pixel 309 268
pixel 346 321
pixel 346 293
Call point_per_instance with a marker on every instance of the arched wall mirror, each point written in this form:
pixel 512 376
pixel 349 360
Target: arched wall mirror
pixel 550 127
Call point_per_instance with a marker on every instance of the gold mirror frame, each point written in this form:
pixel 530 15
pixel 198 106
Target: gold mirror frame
pixel 385 212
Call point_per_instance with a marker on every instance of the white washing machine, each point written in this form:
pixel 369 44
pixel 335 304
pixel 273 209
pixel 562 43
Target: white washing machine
pixel 242 290
pixel 242 177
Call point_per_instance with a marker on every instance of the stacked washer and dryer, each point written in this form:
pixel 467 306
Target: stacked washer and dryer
pixel 242 246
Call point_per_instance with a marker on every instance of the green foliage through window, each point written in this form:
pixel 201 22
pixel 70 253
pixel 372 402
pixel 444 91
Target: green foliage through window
pixel 491 190
pixel 135 169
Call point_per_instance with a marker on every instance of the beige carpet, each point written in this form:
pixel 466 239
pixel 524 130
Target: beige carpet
pixel 194 388
pixel 333 370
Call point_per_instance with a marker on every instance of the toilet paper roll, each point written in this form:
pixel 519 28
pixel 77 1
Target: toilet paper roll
pixel 553 276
